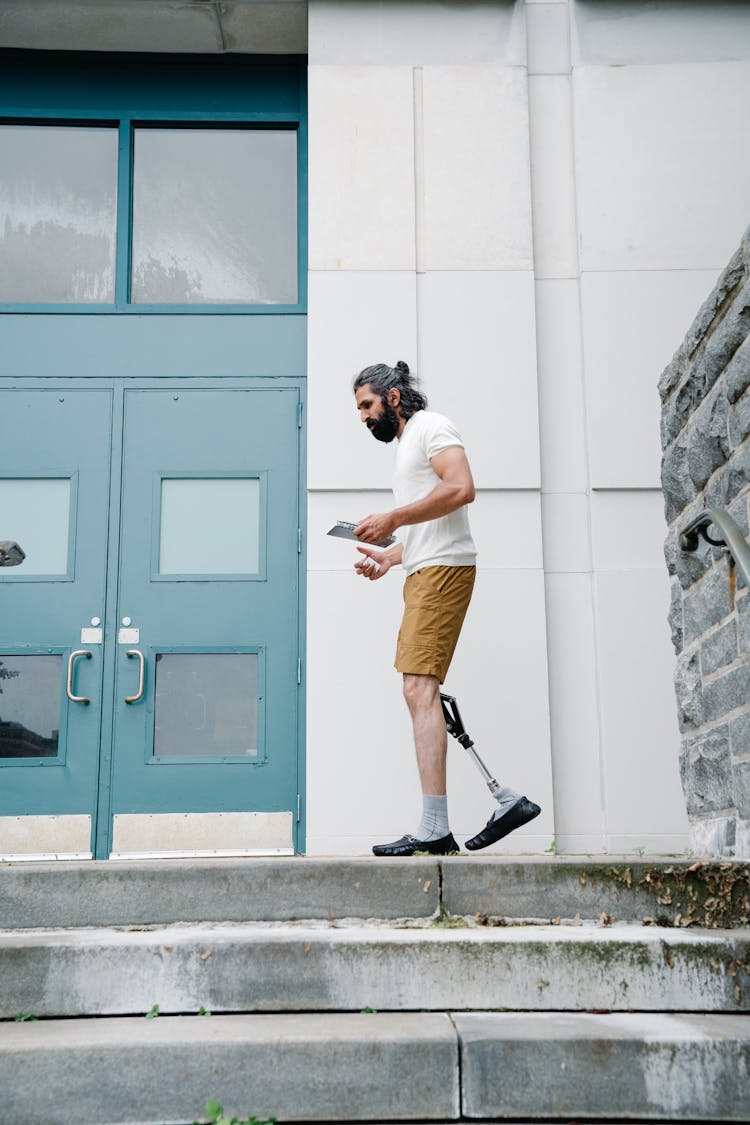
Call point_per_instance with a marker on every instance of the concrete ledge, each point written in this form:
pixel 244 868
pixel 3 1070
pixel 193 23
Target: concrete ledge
pixel 672 893
pixel 624 1066
pixel 156 892
pixel 297 1068
pixel 348 968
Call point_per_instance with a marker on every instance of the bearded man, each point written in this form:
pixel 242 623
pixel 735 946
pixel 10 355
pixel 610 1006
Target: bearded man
pixel 432 486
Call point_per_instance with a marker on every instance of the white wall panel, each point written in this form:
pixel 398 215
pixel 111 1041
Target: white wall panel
pixel 639 720
pixel 553 177
pixel 561 401
pixel 632 325
pixel 477 212
pixel 618 32
pixel 662 167
pixel 567 536
pixel 548 39
pixel 628 530
pixel 576 761
pixel 478 349
pixel 507 530
pixel 415 33
pixel 355 319
pixel 361 180
pixel 362 783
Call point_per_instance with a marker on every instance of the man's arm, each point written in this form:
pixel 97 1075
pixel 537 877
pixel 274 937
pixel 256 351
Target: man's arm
pixel 455 488
pixel 374 564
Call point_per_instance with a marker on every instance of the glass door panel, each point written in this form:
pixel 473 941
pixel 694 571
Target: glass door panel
pixel 56 507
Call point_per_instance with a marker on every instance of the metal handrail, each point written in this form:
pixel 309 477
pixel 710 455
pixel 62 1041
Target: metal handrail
pixel 733 540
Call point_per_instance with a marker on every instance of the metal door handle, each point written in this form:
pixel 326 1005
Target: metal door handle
pixel 69 681
pixel 141 675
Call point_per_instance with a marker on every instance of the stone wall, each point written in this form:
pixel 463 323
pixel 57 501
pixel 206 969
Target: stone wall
pixel 706 464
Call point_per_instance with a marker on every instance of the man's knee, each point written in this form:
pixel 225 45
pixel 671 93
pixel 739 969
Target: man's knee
pixel 419 690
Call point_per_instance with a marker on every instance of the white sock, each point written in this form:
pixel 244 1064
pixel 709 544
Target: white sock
pixel 434 822
pixel 506 799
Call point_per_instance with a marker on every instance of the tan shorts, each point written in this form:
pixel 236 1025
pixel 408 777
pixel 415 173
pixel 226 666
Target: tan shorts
pixel 435 603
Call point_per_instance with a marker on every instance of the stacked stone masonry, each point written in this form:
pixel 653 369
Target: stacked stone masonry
pixel 705 394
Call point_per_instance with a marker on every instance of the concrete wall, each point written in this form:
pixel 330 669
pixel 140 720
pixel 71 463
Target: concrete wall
pixel 526 202
pixel 706 436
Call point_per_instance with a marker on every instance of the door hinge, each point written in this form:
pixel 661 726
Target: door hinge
pixel 299 669
pixel 300 407
pixel 299 540
pixel 299 808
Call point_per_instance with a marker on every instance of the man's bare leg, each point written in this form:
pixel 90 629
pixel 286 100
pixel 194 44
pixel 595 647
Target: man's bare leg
pixel 422 694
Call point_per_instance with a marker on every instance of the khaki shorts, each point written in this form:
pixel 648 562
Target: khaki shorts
pixel 435 603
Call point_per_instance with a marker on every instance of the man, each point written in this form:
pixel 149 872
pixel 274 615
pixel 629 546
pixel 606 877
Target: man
pixel 432 486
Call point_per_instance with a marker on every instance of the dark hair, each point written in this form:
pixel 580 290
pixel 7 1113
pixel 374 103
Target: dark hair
pixel 382 378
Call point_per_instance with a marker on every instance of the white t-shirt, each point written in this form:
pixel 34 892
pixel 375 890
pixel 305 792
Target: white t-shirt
pixel 445 541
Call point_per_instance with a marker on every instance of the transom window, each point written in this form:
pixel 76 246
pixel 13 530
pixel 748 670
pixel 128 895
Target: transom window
pixel 153 184
pixel 209 215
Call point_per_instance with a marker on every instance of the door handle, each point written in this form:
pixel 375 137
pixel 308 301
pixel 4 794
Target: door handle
pixel 69 681
pixel 141 675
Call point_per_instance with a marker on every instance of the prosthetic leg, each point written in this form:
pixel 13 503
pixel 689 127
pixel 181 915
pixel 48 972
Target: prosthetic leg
pixel 455 727
pixel 497 826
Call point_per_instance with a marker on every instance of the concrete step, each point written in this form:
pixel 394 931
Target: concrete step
pixel 320 968
pixel 288 889
pixel 387 1068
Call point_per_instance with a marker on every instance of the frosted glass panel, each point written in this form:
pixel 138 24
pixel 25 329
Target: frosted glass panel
pixel 58 193
pixel 35 514
pixel 29 706
pixel 210 526
pixel 206 704
pixel 215 216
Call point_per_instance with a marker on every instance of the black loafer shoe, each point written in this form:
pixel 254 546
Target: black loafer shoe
pixel 522 812
pixel 408 845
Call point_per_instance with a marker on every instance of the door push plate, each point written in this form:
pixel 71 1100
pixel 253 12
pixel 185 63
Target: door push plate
pixel 129 637
pixel 91 636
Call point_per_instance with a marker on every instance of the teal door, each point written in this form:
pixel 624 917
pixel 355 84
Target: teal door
pixel 207 618
pixel 149 642
pixel 54 499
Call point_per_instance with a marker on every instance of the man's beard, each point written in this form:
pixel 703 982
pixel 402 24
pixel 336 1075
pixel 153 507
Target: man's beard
pixel 386 426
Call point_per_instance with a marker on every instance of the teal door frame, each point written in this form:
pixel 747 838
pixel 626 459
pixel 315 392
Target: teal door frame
pixel 119 345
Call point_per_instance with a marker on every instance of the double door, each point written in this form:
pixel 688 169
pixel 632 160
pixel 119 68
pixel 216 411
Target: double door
pixel 149 641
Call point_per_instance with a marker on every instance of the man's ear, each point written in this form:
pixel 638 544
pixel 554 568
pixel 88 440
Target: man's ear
pixel 394 397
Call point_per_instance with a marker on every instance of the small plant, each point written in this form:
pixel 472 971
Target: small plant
pixel 216 1116
pixel 639 851
pixel 203 1011
pixel 369 1011
pixel 552 849
pixel 153 1012
pixel 25 1017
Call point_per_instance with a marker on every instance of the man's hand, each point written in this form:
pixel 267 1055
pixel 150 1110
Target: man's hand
pixel 374 564
pixel 376 528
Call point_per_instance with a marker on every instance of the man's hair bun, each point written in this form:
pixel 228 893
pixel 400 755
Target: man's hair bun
pixel 402 367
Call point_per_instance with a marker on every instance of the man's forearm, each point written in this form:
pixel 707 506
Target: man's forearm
pixel 394 554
